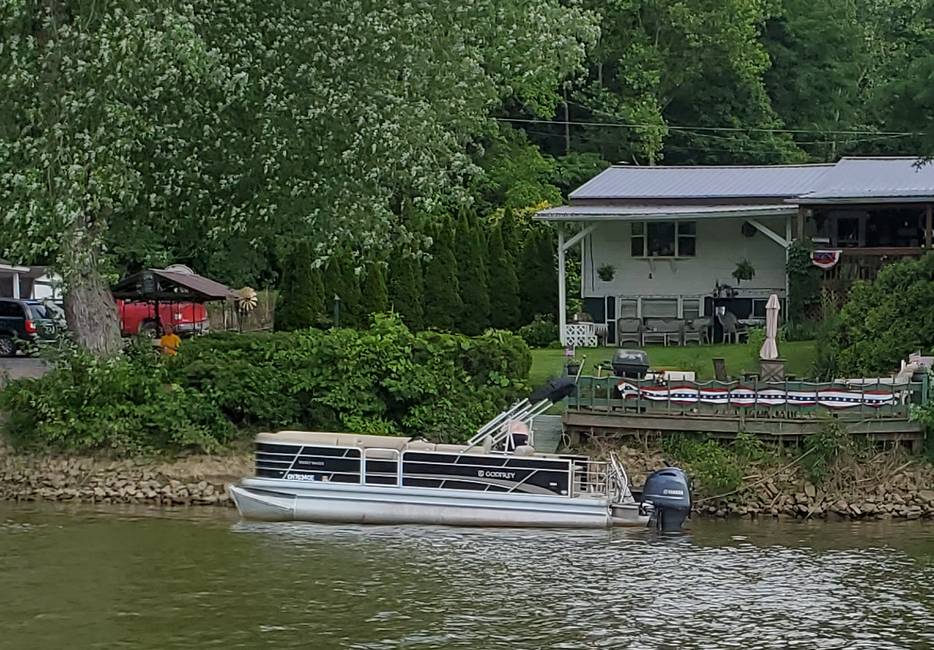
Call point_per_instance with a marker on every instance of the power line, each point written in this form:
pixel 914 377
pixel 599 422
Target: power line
pixel 673 127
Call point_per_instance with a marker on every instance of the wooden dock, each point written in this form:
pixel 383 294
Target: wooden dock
pixel 783 412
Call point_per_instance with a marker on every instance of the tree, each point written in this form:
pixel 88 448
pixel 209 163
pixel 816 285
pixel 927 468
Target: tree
pixel 200 121
pixel 538 288
pixel 406 290
pixel 504 284
pixel 343 285
pixel 471 277
pixel 301 301
pixel 443 305
pixel 374 297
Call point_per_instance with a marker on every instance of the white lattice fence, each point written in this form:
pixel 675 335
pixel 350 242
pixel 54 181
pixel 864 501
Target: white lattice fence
pixel 582 335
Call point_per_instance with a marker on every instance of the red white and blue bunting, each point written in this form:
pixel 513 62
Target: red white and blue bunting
pixel 832 398
pixel 825 259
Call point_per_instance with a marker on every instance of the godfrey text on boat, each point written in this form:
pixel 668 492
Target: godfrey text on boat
pixel 496 479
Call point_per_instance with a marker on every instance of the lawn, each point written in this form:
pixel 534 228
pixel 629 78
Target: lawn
pixel 799 357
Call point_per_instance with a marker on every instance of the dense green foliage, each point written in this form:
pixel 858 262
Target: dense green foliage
pixel 384 379
pixel 883 321
pixel 711 465
pixel 541 332
pixel 407 290
pixel 537 274
pixel 503 282
pixel 126 404
pixel 470 251
pixel 803 283
pixel 374 296
pixel 301 301
pixel 443 304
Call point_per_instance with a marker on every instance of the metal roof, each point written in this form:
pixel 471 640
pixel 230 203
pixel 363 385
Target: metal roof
pixel 170 285
pixel 661 213
pixel 855 180
pixel 625 182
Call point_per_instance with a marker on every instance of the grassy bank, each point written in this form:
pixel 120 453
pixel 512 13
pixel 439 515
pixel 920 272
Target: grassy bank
pixel 799 356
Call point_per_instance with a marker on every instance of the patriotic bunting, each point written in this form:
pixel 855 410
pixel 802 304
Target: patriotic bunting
pixel 740 396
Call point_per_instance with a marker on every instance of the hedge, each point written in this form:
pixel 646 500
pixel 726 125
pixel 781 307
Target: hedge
pixel 385 379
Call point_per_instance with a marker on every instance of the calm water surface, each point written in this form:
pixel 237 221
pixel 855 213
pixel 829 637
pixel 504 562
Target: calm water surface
pixel 141 578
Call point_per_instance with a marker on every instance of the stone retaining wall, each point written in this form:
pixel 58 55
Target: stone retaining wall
pixel 197 480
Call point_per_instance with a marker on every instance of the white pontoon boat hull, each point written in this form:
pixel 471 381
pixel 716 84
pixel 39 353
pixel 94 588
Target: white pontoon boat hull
pixel 316 501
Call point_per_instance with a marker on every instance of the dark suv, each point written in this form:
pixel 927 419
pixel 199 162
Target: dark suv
pixel 24 323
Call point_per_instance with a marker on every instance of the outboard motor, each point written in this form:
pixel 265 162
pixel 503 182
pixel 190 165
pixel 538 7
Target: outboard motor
pixel 670 495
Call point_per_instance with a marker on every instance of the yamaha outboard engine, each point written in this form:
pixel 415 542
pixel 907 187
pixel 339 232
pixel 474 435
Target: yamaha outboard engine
pixel 670 495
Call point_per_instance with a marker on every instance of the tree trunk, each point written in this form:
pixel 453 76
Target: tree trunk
pixel 89 306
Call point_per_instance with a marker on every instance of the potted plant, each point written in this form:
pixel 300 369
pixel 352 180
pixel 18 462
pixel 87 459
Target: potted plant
pixel 744 271
pixel 607 272
pixel 573 366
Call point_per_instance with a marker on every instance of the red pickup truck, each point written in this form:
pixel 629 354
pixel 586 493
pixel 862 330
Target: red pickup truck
pixel 140 317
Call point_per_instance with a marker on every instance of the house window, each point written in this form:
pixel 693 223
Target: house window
pixel 663 239
pixel 628 308
pixel 690 308
pixel 659 307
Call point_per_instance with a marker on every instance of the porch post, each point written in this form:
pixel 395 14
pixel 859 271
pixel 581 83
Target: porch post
pixel 801 211
pixel 788 239
pixel 927 226
pixel 562 290
pixel 15 285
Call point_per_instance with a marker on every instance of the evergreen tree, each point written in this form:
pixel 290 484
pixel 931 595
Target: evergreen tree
pixel 301 301
pixel 342 282
pixel 471 277
pixel 406 290
pixel 503 282
pixel 442 294
pixel 374 298
pixel 538 288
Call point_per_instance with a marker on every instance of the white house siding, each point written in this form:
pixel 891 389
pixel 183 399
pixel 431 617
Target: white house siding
pixel 720 245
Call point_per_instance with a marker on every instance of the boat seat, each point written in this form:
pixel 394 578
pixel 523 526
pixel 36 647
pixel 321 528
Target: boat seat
pixel 525 450
pixel 457 449
pixel 375 453
pixel 361 440
pixel 420 445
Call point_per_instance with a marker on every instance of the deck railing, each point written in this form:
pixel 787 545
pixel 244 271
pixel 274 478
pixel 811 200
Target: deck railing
pixel 864 264
pixel 751 399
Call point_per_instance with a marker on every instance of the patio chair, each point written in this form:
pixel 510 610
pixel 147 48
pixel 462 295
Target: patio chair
pixel 695 330
pixel 629 330
pixel 733 330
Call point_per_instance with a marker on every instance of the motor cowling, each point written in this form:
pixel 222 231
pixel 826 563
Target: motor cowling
pixel 669 493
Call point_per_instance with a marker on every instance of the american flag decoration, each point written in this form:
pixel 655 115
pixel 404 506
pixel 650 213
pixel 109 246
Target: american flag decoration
pixel 835 398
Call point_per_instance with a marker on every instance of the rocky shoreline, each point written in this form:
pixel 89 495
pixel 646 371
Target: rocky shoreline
pixel 189 481
pixel 200 481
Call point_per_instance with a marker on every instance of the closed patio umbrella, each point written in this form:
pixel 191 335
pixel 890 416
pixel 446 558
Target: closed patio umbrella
pixel 769 348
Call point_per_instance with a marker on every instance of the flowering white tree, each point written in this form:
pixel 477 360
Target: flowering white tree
pixel 326 119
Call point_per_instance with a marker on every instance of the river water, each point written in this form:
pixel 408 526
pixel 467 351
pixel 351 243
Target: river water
pixel 85 577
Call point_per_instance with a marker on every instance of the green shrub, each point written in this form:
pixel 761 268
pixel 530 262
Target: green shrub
pixel 126 404
pixel 711 465
pixel 885 320
pixel 385 379
pixel 541 332
pixel 825 449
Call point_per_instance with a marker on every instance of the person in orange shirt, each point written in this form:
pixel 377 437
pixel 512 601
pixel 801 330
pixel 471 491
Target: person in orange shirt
pixel 170 341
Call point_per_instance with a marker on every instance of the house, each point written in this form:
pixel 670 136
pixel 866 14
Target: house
pixel 28 282
pixel 665 242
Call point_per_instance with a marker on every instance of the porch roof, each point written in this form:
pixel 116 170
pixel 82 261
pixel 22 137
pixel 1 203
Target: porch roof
pixel 874 180
pixel 662 212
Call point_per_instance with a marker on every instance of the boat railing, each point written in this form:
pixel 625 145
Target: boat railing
pixel 497 429
pixel 590 477
pixel 617 481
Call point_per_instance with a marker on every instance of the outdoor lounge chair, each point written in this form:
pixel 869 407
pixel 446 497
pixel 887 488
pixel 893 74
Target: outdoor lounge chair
pixel 629 330
pixel 695 330
pixel 733 330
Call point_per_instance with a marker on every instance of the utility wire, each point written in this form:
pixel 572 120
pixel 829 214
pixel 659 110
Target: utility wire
pixel 674 127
